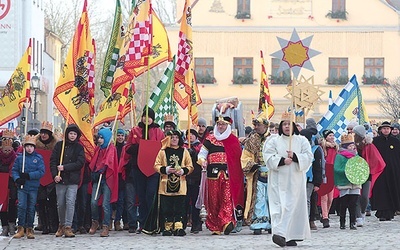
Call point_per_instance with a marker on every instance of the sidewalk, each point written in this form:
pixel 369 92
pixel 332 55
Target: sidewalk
pixel 374 235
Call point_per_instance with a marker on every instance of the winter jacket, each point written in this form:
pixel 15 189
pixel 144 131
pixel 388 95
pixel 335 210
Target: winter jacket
pixel 34 166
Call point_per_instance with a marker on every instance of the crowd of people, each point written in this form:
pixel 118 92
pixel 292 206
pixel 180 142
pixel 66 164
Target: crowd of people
pixel 279 178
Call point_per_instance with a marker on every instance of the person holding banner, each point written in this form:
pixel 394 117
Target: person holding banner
pixel 104 168
pixel 143 144
pixel 8 190
pixel 47 198
pixel 288 158
pixel 66 162
pixel 27 170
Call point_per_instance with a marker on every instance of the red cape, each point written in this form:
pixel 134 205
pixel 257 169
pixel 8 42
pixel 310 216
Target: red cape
pixel 236 178
pixel 375 162
pixel 109 159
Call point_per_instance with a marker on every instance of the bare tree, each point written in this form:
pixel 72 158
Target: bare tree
pixel 390 101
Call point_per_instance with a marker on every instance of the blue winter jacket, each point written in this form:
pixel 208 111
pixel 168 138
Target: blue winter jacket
pixel 34 166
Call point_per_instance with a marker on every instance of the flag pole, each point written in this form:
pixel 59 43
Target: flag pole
pixel 65 136
pixel 25 132
pixel 109 143
pixel 291 115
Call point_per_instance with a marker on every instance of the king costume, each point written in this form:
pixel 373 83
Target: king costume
pixel 220 154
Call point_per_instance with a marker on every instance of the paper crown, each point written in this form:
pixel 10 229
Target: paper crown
pixel 225 119
pixel 8 134
pixel 287 116
pixel 30 139
pixel 47 126
pixel 346 138
pixel 261 118
pixel 7 143
pixel 168 118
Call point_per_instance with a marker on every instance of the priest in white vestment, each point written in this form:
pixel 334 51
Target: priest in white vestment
pixel 288 163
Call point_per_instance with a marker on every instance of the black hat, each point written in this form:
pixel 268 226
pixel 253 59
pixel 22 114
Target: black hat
pixel 33 131
pixel 327 132
pixel 306 133
pixel 384 124
pixel 152 114
pixel 193 132
pixel 168 123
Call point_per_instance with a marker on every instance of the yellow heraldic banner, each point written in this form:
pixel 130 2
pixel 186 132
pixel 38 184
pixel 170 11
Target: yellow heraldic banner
pixel 74 93
pixel 16 90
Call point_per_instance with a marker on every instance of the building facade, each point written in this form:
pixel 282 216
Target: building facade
pixel 352 36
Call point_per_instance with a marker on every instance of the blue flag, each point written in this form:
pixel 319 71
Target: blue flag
pixel 349 106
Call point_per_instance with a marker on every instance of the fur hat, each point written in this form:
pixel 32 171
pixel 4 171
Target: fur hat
pixel 360 130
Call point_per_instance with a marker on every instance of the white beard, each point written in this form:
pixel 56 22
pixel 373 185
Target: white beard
pixel 224 135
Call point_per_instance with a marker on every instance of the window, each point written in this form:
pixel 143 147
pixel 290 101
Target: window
pixel 338 71
pixel 204 70
pixel 338 5
pixel 282 77
pixel 373 71
pixel 243 9
pixel 338 10
pixel 242 70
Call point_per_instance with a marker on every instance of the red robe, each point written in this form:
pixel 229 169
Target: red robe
pixel 107 157
pixel 375 161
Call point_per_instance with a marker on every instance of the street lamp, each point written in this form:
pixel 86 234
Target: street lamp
pixel 35 85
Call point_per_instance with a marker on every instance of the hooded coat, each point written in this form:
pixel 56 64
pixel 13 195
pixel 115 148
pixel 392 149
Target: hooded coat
pixel 73 158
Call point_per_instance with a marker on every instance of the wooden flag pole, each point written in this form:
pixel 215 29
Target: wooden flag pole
pixel 291 117
pixel 25 132
pixel 65 136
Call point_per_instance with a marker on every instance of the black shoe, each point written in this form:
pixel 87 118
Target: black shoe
pixel 180 232
pixel 82 230
pixel 382 219
pixel 342 226
pixel 45 231
pixel 279 240
pixel 228 228
pixel 38 228
pixel 353 226
pixel 257 231
pixel 325 223
pixel 269 231
pixel 139 230
pixel 167 233
pixel 291 243
pixel 132 230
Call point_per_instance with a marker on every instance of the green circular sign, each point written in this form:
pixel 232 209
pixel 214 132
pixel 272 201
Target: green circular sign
pixel 357 170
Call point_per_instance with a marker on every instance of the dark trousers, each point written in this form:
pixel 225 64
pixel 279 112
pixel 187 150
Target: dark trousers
pixel 349 201
pixel 146 191
pixel 81 205
pixel 172 208
pixel 191 198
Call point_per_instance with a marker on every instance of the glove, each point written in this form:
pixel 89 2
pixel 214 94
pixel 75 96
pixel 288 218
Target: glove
pixel 20 181
pixel 25 176
pixel 255 167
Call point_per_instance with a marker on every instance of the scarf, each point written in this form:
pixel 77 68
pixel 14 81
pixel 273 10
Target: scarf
pixel 7 159
pixel 347 153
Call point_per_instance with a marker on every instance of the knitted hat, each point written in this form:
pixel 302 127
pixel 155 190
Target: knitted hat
pixel 359 130
pixel 396 125
pixel 310 123
pixel 152 114
pixel 326 132
pixel 192 132
pixel 202 122
pixel 120 131
pixel 106 134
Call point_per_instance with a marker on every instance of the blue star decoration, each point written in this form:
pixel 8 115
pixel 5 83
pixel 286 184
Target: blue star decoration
pixel 295 54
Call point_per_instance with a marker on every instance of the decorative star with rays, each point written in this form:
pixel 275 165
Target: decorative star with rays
pixel 295 54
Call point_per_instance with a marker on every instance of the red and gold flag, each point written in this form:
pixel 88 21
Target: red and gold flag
pixel 17 89
pixel 74 93
pixel 185 88
pixel 265 103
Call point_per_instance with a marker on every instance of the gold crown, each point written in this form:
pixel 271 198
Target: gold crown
pixel 168 118
pixel 261 118
pixel 8 134
pixel 7 143
pixel 47 125
pixel 30 139
pixel 346 138
pixel 287 116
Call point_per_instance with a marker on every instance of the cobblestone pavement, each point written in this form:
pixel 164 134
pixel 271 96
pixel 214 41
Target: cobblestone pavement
pixel 374 235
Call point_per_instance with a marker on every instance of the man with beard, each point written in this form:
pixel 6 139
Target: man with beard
pixel 256 212
pixel 220 156
pixel 288 158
